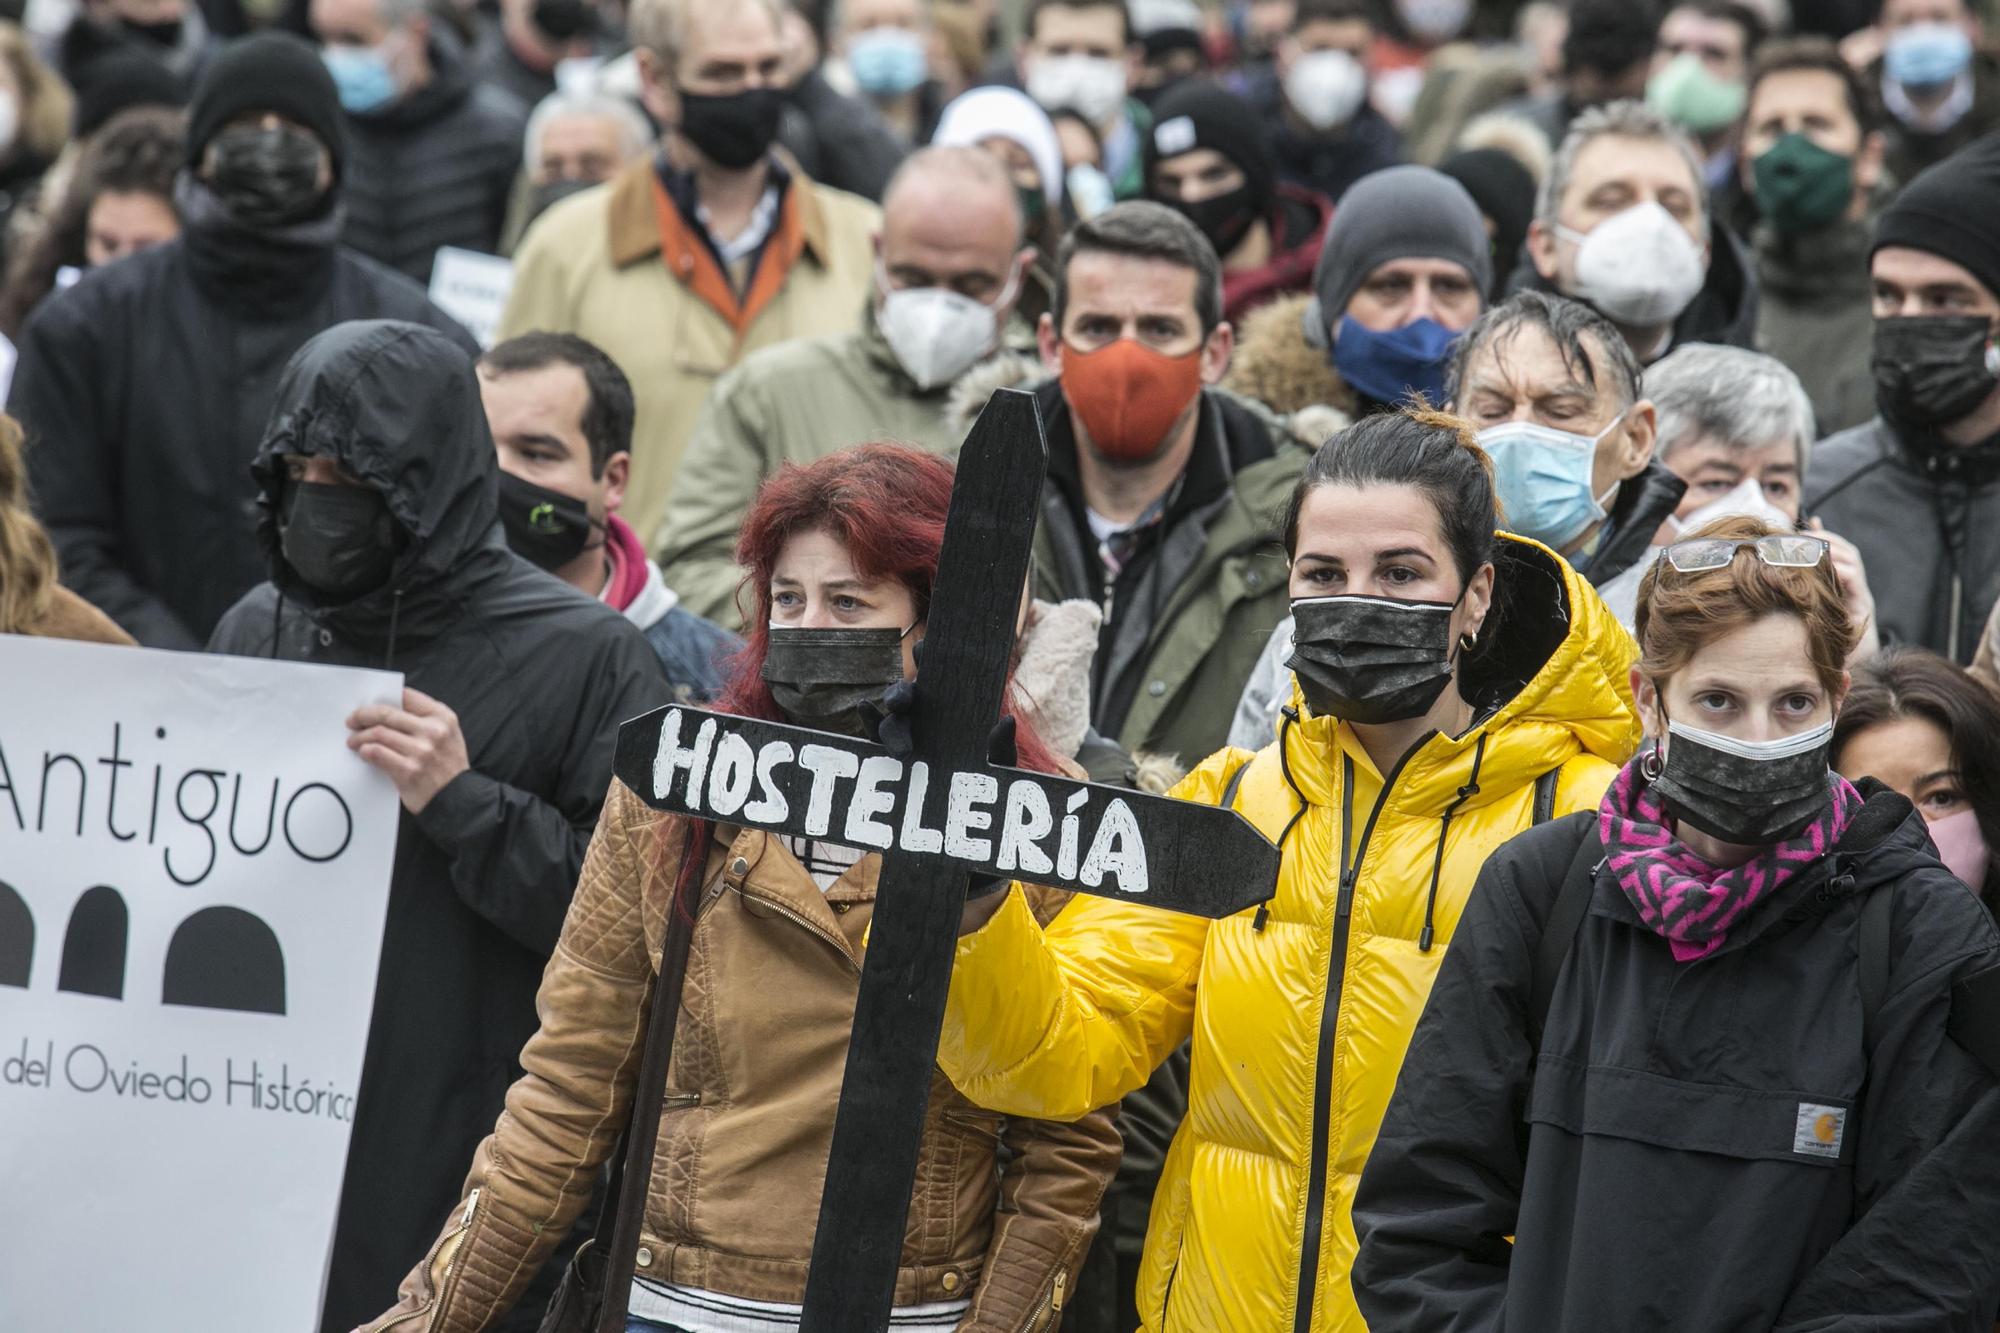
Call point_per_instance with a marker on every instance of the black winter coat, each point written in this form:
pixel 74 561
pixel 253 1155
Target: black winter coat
pixel 539 675
pixel 1921 513
pixel 1706 1146
pixel 144 390
pixel 433 168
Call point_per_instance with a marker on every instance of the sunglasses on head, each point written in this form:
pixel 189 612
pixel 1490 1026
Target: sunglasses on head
pixel 1781 550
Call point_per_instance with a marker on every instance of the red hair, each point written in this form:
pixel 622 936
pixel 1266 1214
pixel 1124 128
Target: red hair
pixel 886 505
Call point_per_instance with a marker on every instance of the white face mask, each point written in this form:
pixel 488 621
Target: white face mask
pixel 1326 88
pixel 1092 86
pixel 1638 267
pixel 1747 500
pixel 936 333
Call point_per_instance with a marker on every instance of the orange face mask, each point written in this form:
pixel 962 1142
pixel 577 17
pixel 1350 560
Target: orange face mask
pixel 1127 395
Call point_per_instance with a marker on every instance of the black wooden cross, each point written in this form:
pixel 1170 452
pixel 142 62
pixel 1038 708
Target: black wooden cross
pixel 937 815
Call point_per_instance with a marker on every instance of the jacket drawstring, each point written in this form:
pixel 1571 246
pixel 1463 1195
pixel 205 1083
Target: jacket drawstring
pixel 1465 793
pixel 277 620
pixel 395 611
pixel 1291 717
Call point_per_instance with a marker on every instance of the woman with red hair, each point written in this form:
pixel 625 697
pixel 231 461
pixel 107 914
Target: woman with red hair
pixel 841 555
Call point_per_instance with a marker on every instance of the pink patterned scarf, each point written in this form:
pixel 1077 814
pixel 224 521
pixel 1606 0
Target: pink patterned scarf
pixel 1684 898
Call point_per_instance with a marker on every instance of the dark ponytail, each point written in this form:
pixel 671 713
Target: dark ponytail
pixel 1433 451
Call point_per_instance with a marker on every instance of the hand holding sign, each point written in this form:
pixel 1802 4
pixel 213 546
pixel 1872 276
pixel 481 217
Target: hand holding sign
pixel 419 745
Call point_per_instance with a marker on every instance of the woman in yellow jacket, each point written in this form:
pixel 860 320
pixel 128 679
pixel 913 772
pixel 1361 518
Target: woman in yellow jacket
pixel 1446 678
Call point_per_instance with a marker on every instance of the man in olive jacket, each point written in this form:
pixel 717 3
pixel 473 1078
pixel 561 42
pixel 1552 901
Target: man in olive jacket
pixel 1163 491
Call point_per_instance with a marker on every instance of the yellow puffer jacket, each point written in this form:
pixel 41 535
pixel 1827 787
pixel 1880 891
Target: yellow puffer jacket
pixel 1299 1021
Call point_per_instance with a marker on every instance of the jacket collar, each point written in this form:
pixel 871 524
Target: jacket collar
pixel 634 219
pixel 1642 504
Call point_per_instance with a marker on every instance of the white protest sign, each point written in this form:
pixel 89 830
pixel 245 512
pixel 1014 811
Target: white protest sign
pixel 194 872
pixel 472 288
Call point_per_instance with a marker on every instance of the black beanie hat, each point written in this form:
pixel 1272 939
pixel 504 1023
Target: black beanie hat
pixel 120 80
pixel 1948 210
pixel 1199 114
pixel 1504 191
pixel 272 71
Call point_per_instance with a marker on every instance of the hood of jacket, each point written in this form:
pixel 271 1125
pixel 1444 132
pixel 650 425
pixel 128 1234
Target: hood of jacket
pixel 1275 365
pixel 1723 311
pixel 397 405
pixel 1554 679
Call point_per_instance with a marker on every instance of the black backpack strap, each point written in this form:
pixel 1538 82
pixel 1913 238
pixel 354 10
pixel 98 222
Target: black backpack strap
pixel 1566 915
pixel 1873 946
pixel 1229 788
pixel 1545 795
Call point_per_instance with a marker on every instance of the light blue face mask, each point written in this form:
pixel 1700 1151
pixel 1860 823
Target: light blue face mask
pixel 1542 476
pixel 888 61
pixel 1925 55
pixel 361 77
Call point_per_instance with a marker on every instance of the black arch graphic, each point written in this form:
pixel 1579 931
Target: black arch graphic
pixel 93 955
pixel 17 937
pixel 225 958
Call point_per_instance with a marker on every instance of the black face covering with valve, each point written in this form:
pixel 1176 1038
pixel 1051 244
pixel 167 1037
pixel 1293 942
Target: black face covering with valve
pixel 1371 660
pixel 341 540
pixel 826 679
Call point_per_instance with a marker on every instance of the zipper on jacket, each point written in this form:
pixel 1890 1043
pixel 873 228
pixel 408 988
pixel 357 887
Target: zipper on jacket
pixel 814 927
pixel 1329 1025
pixel 1048 1311
pixel 451 1266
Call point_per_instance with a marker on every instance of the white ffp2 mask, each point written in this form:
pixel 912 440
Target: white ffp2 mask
pixel 1638 267
pixel 936 333
pixel 1326 88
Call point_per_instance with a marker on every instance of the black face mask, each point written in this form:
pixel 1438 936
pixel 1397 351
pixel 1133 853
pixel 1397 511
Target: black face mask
pixel 562 19
pixel 1224 218
pixel 1729 790
pixel 266 177
pixel 735 130
pixel 165 34
pixel 821 678
pixel 340 539
pixel 1371 660
pixel 544 197
pixel 1933 369
pixel 544 526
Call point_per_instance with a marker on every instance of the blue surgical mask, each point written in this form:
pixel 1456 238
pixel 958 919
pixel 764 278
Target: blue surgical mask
pixel 888 61
pixel 1543 478
pixel 1390 365
pixel 361 76
pixel 1925 55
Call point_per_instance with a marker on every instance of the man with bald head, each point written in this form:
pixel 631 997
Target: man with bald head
pixel 949 265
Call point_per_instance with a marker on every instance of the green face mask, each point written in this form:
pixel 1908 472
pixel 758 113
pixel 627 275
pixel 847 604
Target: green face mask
pixel 1801 186
pixel 1688 95
pixel 1033 205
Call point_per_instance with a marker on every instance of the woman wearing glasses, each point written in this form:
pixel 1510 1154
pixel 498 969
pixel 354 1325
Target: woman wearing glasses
pixel 1715 1082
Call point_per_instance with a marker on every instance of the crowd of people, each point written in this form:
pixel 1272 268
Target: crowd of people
pixel 1537 461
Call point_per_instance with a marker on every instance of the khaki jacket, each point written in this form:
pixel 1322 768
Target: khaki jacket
pixel 758 1059
pixel 618 266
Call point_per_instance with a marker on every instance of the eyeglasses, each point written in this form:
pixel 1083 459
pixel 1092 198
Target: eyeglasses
pixel 1785 551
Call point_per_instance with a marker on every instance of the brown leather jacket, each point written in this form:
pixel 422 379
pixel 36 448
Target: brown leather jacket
pixel 758 1059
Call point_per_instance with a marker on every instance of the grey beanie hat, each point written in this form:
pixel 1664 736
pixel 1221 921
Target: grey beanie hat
pixel 1397 213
